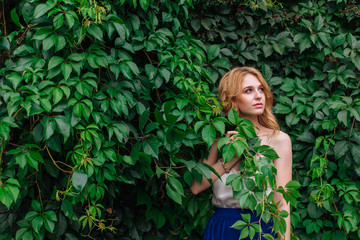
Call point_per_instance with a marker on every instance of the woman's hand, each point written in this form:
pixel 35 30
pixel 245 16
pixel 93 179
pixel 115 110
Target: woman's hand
pixel 230 134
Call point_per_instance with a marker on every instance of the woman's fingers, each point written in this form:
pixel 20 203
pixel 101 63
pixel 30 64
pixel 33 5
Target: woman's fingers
pixel 229 134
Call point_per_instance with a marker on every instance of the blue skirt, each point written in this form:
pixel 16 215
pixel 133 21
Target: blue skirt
pixel 219 225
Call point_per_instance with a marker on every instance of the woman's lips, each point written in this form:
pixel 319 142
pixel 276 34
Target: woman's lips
pixel 258 105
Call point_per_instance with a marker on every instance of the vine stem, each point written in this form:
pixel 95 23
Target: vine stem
pixel 157 166
pixel 53 160
pixel 148 57
pixel 14 116
pixel 179 167
pixel 38 187
pixel 3 12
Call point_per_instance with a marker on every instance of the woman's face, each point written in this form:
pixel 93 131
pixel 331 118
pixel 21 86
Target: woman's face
pixel 251 99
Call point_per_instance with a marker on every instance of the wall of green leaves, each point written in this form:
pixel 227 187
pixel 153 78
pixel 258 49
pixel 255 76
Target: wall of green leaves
pixel 106 107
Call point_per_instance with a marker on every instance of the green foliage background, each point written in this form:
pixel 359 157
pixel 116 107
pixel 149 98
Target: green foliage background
pixel 101 104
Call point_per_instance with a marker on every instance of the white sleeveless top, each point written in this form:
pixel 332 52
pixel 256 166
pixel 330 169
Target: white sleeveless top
pixel 223 194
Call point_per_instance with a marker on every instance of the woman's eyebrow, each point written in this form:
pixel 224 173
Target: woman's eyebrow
pixel 252 86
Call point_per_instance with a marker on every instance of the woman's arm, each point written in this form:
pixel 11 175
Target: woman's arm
pixel 212 160
pixel 283 165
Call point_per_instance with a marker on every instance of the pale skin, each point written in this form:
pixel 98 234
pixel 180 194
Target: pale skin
pixel 251 103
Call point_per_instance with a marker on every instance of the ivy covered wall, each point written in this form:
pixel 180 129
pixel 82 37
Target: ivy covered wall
pixel 106 106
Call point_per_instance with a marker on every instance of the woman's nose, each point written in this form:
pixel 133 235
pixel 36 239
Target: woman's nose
pixel 258 94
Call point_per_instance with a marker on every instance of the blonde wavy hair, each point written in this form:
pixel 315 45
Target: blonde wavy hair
pixel 230 87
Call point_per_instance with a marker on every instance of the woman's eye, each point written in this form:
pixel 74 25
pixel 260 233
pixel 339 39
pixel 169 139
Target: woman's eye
pixel 261 89
pixel 248 91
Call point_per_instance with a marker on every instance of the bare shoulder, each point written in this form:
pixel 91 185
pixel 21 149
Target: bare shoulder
pixel 282 145
pixel 283 138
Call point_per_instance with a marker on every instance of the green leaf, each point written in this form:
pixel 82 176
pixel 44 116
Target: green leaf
pixel 174 190
pixel 15 17
pixel 341 148
pixel 55 61
pixel 306 137
pixel 64 126
pixel 303 40
pixel 343 117
pixel 233 117
pixel 213 51
pixel 150 71
pixel 31 161
pixel 129 160
pixel 60 43
pixel 339 40
pixel 70 20
pixel 50 127
pixel 133 67
pixel 319 23
pixel 293 184
pixel 51 215
pixel 325 38
pixel 42 33
pixel 267 49
pixel 278 47
pixel 36 155
pixel 355 151
pixel 57 95
pixel 41 9
pixel 37 223
pixel 228 152
pixel 355 113
pixel 143 119
pixel 67 208
pixel 165 73
pixel 58 21
pixel 15 79
pixel 156 215
pixel 110 154
pixel 76 57
pixel 292 119
pixel 35 204
pixel 121 30
pixel 222 63
pixel 282 109
pixel 45 103
pixel 79 180
pixel 23 233
pixel 49 225
pixel 239 225
pixel 220 126
pixel 49 42
pixel 77 110
pixel 21 160
pixel 66 70
pixel 95 31
pixel 4 131
pixel 208 133
pixel 5 198
pixel 314 211
pixel 151 146
pixel 144 4
pixel 244 233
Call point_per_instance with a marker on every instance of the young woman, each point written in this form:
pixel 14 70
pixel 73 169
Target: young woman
pixel 245 90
